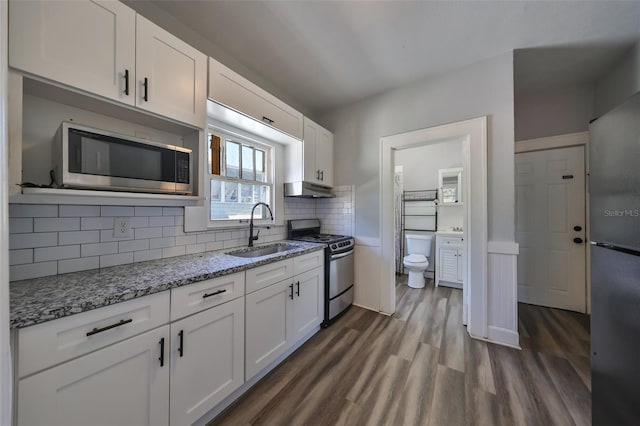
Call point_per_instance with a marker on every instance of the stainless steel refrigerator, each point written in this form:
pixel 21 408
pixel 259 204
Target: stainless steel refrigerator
pixel 614 190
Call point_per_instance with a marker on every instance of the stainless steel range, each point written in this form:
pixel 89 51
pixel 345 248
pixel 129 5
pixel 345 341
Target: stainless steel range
pixel 338 271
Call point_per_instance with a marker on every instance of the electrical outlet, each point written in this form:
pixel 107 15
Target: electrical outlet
pixel 122 227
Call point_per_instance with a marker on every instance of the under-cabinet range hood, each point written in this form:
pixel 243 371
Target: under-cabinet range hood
pixel 306 190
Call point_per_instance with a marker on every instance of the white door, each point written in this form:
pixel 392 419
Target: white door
pixel 89 45
pixel 550 221
pixel 307 306
pixel 207 360
pixel 267 325
pixel 123 384
pixel 171 75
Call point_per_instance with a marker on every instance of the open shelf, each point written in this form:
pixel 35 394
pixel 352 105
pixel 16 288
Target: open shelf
pixel 101 198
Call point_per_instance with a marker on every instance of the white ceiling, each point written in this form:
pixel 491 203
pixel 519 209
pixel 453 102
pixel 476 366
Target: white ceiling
pixel 328 53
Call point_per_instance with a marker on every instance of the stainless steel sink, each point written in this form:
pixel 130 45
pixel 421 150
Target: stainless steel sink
pixel 262 250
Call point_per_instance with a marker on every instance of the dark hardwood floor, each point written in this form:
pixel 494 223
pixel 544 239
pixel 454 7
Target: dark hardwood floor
pixel 420 367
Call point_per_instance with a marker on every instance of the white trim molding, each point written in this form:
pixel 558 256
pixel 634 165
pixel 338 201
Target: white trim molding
pixel 473 134
pixel 551 142
pixel 503 293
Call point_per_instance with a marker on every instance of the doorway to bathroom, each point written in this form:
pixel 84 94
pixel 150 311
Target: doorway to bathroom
pixel 473 134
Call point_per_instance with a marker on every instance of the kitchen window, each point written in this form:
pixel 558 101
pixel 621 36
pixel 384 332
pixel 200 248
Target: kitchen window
pixel 239 175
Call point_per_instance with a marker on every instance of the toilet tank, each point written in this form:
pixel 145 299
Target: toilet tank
pixel 419 244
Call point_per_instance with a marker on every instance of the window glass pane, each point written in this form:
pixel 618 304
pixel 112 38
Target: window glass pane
pixel 247 163
pixel 216 190
pixel 230 208
pixel 232 158
pixel 260 175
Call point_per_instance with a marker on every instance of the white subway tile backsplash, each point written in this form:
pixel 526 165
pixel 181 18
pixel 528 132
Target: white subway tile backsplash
pixel 196 248
pixel 117 211
pixel 50 224
pixel 164 242
pixel 179 220
pixel 115 259
pixel 148 211
pixel 20 257
pixel 215 245
pixel 79 211
pixel 233 243
pixel 172 231
pixel 33 270
pixel 186 239
pixel 206 238
pixel 133 245
pixel 45 254
pixel 143 256
pixel 162 221
pixel 106 235
pixel 80 264
pixel 141 233
pixel 140 222
pixel 33 210
pixel 172 211
pixel 222 236
pixel 174 251
pixel 20 225
pixel 99 249
pixel 92 223
pixel 78 237
pixel 41 239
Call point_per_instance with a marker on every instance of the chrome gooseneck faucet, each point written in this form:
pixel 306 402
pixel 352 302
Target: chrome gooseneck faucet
pixel 251 237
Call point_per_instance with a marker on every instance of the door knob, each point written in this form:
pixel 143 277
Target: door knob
pixel 577 228
pixel 577 240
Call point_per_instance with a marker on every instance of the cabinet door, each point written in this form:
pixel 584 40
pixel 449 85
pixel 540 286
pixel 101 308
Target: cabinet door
pixel 448 264
pixel 307 303
pixel 309 147
pixel 267 325
pixel 460 275
pixel 231 89
pixel 123 384
pixel 324 156
pixel 207 360
pixel 89 45
pixel 174 72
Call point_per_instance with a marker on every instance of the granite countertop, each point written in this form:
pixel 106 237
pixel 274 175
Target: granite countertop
pixel 43 299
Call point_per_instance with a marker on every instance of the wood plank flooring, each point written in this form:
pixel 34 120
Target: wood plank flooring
pixel 420 367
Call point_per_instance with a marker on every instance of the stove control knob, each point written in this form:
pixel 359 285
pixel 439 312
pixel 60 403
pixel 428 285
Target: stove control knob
pixel 333 246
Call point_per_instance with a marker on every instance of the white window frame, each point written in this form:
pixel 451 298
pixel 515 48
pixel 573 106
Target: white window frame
pixel 243 139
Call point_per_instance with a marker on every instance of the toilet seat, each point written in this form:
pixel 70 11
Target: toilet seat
pixel 415 258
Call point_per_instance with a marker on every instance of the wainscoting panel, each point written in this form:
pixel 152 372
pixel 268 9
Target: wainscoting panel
pixel 502 297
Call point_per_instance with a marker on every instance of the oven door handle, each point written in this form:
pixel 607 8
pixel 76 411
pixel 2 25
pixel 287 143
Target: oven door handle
pixel 341 255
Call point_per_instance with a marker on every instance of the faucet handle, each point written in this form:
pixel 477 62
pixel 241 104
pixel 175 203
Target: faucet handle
pixel 257 235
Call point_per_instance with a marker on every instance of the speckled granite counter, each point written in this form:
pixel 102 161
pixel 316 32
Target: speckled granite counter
pixel 43 299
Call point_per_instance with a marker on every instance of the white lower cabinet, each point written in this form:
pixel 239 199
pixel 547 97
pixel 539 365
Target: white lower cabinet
pixel 207 360
pixel 267 327
pixel 280 315
pixel 450 261
pixel 124 384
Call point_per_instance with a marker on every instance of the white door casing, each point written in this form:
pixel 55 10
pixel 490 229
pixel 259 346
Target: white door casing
pixel 475 293
pixel 550 202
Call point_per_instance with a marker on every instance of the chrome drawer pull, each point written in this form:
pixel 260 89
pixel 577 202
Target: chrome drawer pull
pixel 109 327
pixel 215 293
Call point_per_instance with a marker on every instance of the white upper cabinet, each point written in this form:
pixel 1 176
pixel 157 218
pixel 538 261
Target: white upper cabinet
pixel 89 45
pixel 104 48
pixel 234 91
pixel 317 154
pixel 170 75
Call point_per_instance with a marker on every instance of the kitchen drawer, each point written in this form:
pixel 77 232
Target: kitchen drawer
pixel 197 297
pixel 50 343
pixel 308 261
pixel 265 275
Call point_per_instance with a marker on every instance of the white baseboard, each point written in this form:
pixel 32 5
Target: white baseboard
pixel 503 336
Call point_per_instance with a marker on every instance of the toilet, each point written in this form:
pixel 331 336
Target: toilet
pixel 417 260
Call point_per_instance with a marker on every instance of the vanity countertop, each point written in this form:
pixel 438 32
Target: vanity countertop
pixel 42 299
pixel 450 233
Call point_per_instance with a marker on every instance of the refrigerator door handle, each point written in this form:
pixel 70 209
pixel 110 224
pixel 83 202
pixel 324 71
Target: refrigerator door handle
pixel 616 248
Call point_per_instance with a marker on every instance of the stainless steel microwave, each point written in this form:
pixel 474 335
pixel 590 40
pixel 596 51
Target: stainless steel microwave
pixel 96 159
